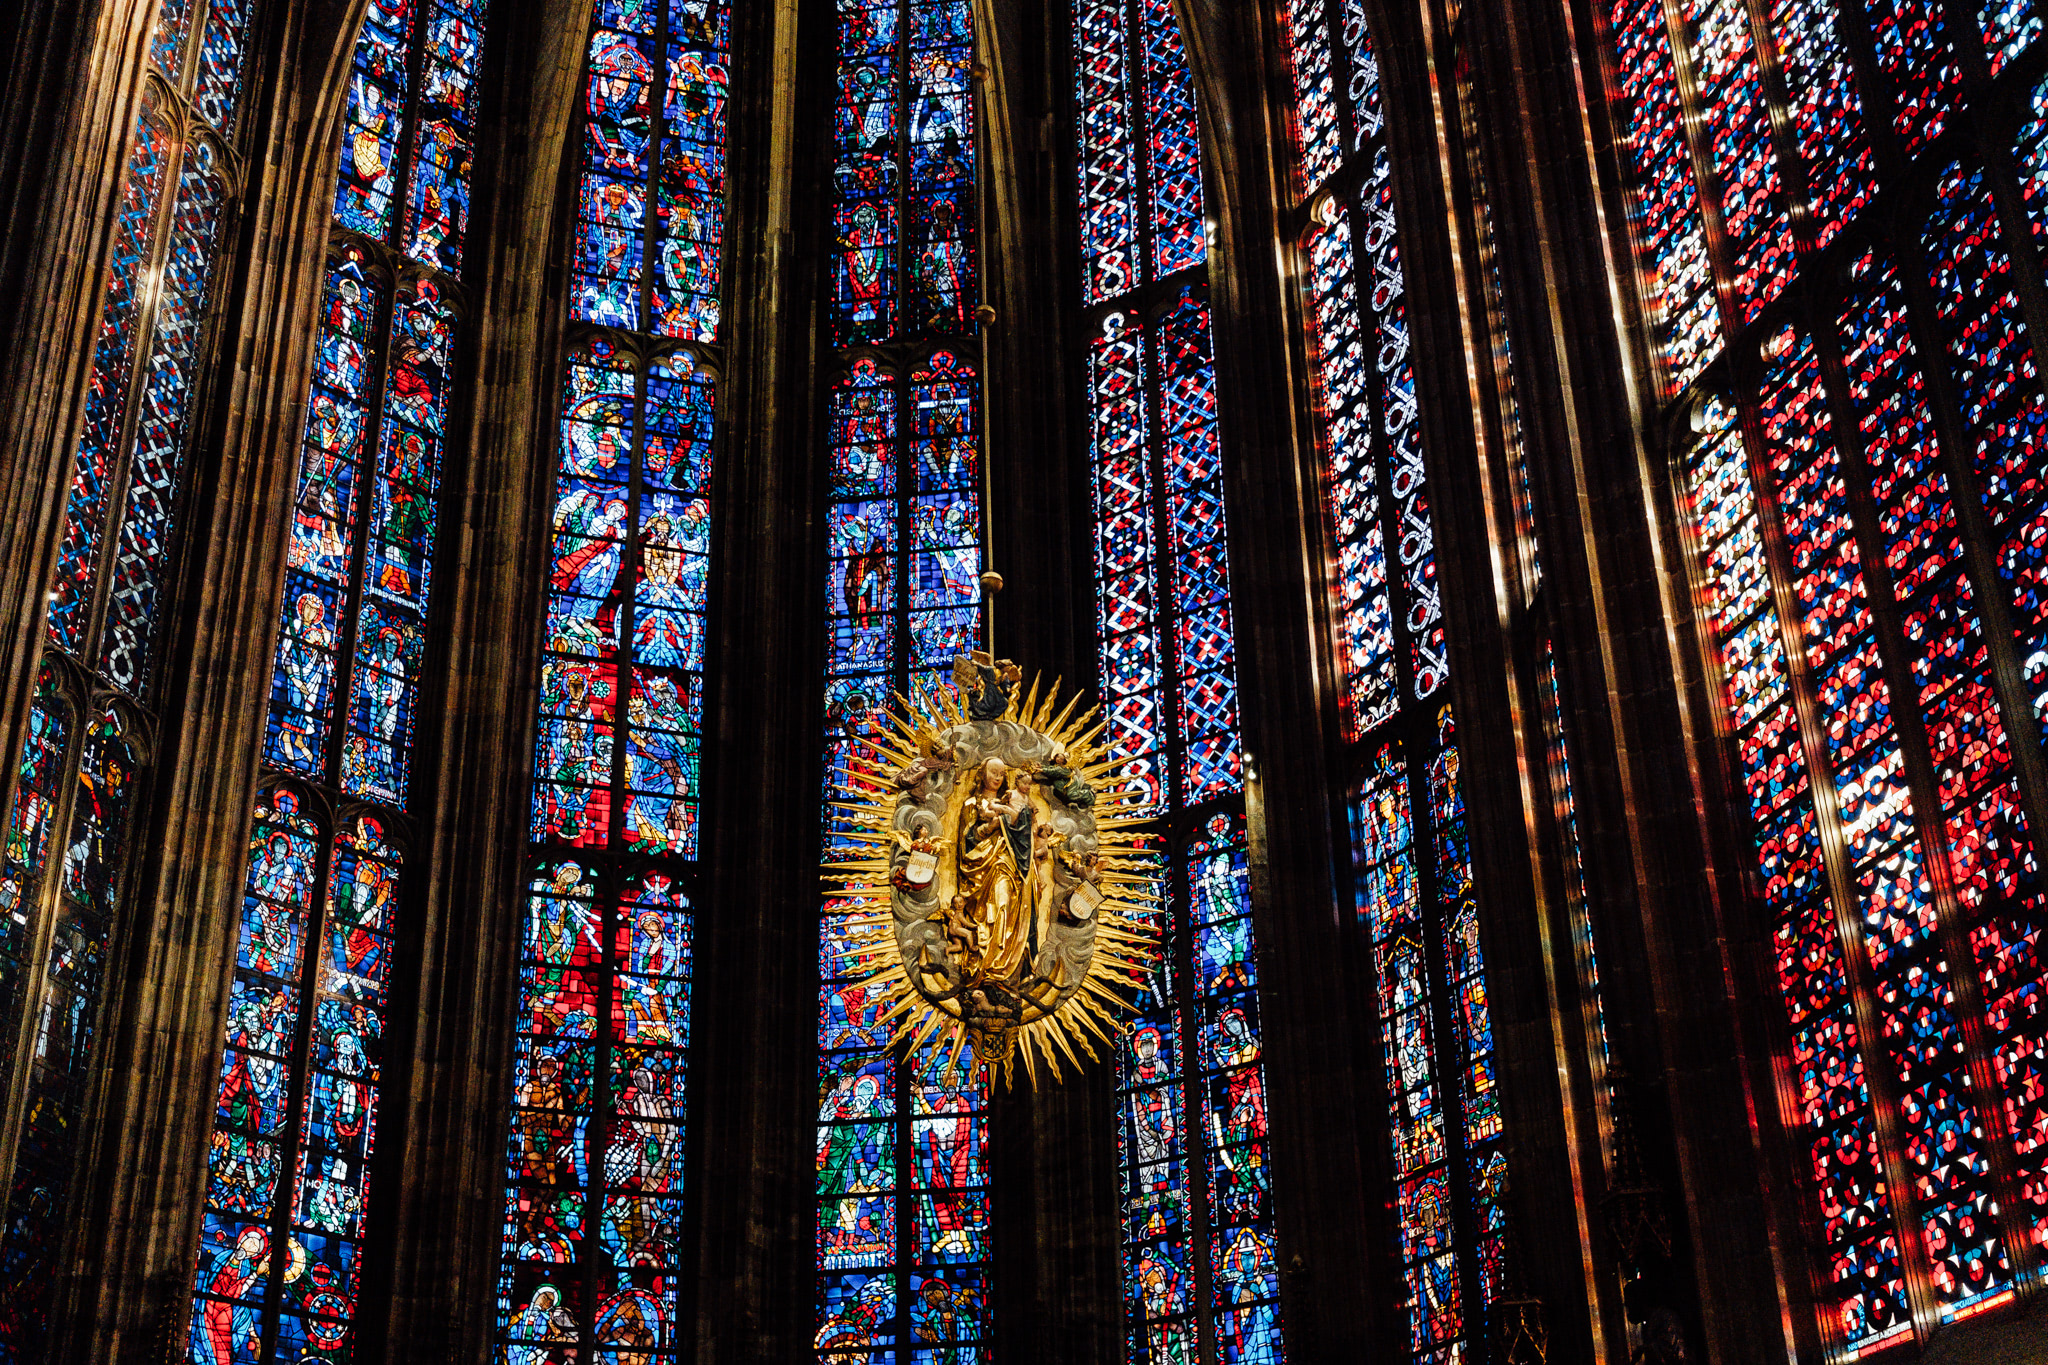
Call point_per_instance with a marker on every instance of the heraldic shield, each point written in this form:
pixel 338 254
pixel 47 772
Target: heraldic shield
pixel 997 887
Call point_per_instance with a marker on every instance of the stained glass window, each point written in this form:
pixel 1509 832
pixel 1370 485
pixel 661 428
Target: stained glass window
pixel 903 1246
pixel 1412 865
pixel 592 1255
pixel 904 173
pixel 1201 1277
pixel 1677 285
pixel 80 768
pixel 282 1249
pixel 1860 478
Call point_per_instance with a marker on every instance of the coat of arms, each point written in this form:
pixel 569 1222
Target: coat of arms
pixel 997 886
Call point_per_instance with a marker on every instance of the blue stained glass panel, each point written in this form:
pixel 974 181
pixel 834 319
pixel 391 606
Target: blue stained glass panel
pixel 139 395
pixel 592 1245
pixel 903 555
pixel 618 126
pixel 1352 483
pixel 437 202
pixel 1173 150
pixel 296 1122
pixel 867 218
pixel 904 212
pixel 218 97
pixel 1194 1173
pixel 1126 554
pixel 1412 869
pixel 366 194
pixel 324 514
pixel 400 532
pixel 940 264
pixel 690 189
pixel 167 43
pixel 265 1004
pixel 1107 163
pixel 1205 643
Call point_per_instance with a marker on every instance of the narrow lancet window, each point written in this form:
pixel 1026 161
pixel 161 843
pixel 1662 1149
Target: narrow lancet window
pixel 1412 863
pixel 1201 1276
pixel 903 1246
pixel 592 1256
pixel 282 1247
pixel 83 772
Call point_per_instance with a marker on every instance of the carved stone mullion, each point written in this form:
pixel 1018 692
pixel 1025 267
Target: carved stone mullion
pixel 753 1075
pixel 1550 1058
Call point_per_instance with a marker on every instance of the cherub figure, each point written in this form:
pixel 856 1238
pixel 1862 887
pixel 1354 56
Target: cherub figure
pixel 915 776
pixel 958 921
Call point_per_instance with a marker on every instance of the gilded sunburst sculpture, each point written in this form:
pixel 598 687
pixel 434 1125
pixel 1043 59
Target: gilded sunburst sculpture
pixel 997 881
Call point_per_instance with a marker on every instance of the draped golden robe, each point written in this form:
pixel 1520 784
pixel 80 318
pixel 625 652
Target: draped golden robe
pixel 998 891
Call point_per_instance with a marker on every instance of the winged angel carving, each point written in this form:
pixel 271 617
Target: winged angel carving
pixel 995 880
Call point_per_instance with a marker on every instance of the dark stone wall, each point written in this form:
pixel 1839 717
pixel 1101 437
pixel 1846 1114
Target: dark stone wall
pixel 754 1071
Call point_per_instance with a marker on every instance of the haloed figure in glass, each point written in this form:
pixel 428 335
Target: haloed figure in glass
pixel 944 1313
pixel 590 529
pixel 1162 1290
pixel 306 670
pixel 542 1321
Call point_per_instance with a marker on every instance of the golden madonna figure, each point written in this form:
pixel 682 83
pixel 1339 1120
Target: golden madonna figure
pixel 991 873
pixel 996 889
